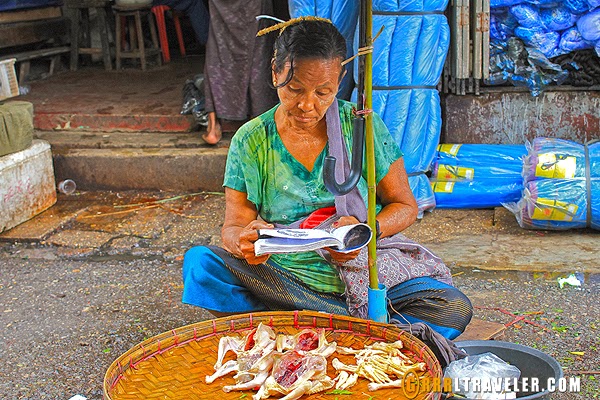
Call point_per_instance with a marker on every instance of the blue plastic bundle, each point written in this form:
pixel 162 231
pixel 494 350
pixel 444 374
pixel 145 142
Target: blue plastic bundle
pixel 528 16
pixel 484 193
pixel 589 27
pixel 550 158
pixel 577 6
pixel 506 156
pixel 477 175
pixel 558 204
pixel 544 41
pixel 504 3
pixel 593 4
pixel 562 186
pixel 344 15
pixel 571 40
pixel 502 26
pixel 557 19
pixel 408 59
pixel 524 66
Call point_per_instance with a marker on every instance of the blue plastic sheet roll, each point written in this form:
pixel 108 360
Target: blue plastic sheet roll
pixel 559 204
pixel 560 159
pixel 508 157
pixel 477 175
pixel 561 186
pixel 484 193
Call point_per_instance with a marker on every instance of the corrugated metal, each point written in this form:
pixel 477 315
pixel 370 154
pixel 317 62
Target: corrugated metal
pixel 516 117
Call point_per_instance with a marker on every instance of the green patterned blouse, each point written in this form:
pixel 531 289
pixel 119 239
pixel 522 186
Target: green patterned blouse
pixel 284 191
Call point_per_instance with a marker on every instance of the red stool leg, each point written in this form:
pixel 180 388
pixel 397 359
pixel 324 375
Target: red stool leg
pixel 179 34
pixel 159 13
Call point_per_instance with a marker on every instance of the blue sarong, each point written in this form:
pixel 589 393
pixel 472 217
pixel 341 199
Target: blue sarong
pixel 217 281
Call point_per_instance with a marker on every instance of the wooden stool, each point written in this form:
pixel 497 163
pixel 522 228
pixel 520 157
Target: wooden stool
pixel 137 48
pixel 81 41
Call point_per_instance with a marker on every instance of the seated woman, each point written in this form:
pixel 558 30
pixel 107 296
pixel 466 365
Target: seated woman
pixel 274 177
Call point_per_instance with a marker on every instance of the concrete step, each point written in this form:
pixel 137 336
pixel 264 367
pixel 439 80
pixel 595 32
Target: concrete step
pixel 137 160
pixel 131 100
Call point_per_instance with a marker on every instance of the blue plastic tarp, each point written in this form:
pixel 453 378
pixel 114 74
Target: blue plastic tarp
pixel 408 59
pixel 344 15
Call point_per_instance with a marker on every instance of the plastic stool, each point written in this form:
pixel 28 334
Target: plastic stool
pixel 159 13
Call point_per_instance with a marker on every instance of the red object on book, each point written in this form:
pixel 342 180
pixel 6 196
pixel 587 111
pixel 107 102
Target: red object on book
pixel 318 216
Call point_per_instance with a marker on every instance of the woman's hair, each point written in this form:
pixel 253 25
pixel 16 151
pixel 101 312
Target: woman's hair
pixel 307 39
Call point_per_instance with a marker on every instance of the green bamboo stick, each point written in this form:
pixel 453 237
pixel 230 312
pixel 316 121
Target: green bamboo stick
pixel 370 146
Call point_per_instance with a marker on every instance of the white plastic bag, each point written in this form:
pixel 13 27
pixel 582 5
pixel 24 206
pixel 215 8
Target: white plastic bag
pixel 481 376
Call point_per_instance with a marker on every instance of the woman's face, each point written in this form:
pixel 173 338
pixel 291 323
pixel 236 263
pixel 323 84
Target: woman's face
pixel 306 98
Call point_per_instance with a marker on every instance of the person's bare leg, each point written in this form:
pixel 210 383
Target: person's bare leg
pixel 213 131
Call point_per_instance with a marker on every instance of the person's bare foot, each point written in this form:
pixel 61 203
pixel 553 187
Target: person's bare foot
pixel 213 131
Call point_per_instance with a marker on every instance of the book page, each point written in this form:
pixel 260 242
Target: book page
pixel 353 237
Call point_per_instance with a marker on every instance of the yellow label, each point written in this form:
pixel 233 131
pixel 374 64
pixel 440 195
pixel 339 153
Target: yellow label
pixel 554 210
pixel 555 166
pixel 451 149
pixel 442 187
pixel 451 173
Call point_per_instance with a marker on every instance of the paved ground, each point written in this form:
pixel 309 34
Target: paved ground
pixel 100 272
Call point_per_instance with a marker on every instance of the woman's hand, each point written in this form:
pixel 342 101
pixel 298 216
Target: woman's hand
pixel 338 257
pixel 240 225
pixel 248 236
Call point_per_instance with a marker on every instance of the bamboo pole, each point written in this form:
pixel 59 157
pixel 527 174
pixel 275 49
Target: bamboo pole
pixel 370 146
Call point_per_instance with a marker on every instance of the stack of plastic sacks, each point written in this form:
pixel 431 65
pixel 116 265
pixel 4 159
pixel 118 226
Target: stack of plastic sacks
pixel 344 15
pixel 408 58
pixel 477 175
pixel 561 186
pixel 546 29
pixel 553 27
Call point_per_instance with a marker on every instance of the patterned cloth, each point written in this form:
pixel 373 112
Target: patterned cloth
pixel 284 191
pixel 237 71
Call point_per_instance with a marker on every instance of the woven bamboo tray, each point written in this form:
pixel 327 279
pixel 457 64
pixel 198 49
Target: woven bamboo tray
pixel 173 365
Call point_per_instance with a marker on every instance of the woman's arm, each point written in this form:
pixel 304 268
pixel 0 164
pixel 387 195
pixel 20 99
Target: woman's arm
pixel 399 205
pixel 239 230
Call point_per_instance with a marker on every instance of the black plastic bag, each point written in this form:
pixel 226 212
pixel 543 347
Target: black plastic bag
pixel 194 100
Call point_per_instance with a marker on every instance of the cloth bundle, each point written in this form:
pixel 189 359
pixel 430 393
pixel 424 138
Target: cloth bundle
pixel 16 126
pixel 561 186
pixel 477 175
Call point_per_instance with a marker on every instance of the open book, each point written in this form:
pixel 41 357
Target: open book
pixel 344 239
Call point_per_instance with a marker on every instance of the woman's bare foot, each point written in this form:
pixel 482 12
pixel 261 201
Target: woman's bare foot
pixel 213 132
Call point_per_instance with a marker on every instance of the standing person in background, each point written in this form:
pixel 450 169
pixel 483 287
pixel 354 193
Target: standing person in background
pixel 196 11
pixel 237 71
